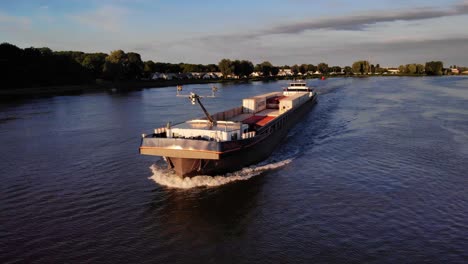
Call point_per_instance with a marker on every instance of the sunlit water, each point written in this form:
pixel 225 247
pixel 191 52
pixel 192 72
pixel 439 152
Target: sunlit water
pixel 377 172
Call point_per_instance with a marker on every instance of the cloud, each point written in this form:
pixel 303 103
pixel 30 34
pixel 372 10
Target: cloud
pixel 352 23
pixel 450 50
pixel 105 18
pixel 356 22
pixel 361 21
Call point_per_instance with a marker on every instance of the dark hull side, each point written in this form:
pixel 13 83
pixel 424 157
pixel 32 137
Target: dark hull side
pixel 249 153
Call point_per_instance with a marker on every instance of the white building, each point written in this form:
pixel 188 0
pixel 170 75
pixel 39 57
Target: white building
pixel 393 70
pixel 210 75
pixel 285 72
pixel 256 74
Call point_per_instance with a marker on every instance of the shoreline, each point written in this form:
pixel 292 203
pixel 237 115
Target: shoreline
pixel 107 86
pixel 127 86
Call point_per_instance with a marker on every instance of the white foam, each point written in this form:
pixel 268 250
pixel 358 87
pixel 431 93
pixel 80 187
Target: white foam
pixel 167 178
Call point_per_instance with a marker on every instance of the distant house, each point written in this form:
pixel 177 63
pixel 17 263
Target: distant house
pixel 285 72
pixel 464 72
pixel 197 75
pixel 455 71
pixel 156 76
pixel 210 75
pixel 164 76
pixel 256 74
pixel 393 70
pixel 218 74
pixel 169 76
pixel 184 76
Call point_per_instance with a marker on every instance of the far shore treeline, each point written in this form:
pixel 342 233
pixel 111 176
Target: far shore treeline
pixel 42 67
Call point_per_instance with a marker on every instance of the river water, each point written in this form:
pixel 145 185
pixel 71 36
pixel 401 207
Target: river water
pixel 377 172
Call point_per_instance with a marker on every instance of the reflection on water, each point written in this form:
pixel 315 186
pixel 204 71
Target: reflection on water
pixel 375 173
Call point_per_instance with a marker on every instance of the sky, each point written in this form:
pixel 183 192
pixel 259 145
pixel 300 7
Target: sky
pixel 337 32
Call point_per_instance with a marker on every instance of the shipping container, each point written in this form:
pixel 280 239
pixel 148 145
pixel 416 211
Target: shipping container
pixel 253 104
pixel 292 101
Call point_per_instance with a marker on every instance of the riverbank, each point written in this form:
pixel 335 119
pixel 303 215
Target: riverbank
pixel 107 86
pixel 100 86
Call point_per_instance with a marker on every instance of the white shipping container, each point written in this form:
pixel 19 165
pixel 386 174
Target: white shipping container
pixel 254 104
pixel 292 102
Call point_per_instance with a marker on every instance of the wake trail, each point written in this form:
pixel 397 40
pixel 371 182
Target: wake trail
pixel 167 177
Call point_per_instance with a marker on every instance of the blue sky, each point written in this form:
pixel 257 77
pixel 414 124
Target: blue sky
pixel 283 32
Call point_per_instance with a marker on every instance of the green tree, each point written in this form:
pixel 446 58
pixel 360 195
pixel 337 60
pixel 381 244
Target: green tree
pixel 134 66
pixel 46 51
pixel 149 68
pixel 311 68
pixel 403 69
pixel 247 68
pixel 303 68
pixel 295 69
pixel 265 67
pixel 225 67
pixel 94 63
pixel 190 68
pixel 323 68
pixel 336 69
pixel 236 68
pixel 419 68
pixel 114 66
pixel 361 67
pixel 78 56
pixel 378 69
pixel 12 66
pixel 212 68
pixel 348 70
pixel 411 68
pixel 274 71
pixel 434 68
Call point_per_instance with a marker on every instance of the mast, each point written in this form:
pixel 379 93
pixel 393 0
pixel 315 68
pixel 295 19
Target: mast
pixel 196 99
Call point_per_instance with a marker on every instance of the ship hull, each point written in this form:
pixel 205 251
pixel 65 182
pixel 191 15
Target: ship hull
pixel 244 152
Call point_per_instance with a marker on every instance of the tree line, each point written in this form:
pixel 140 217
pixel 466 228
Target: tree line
pixel 32 67
pixel 38 67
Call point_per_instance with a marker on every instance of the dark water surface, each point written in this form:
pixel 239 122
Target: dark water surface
pixel 376 173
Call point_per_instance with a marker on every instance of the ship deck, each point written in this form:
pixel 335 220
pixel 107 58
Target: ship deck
pixel 260 119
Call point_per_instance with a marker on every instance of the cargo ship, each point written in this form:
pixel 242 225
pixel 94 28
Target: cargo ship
pixel 230 140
